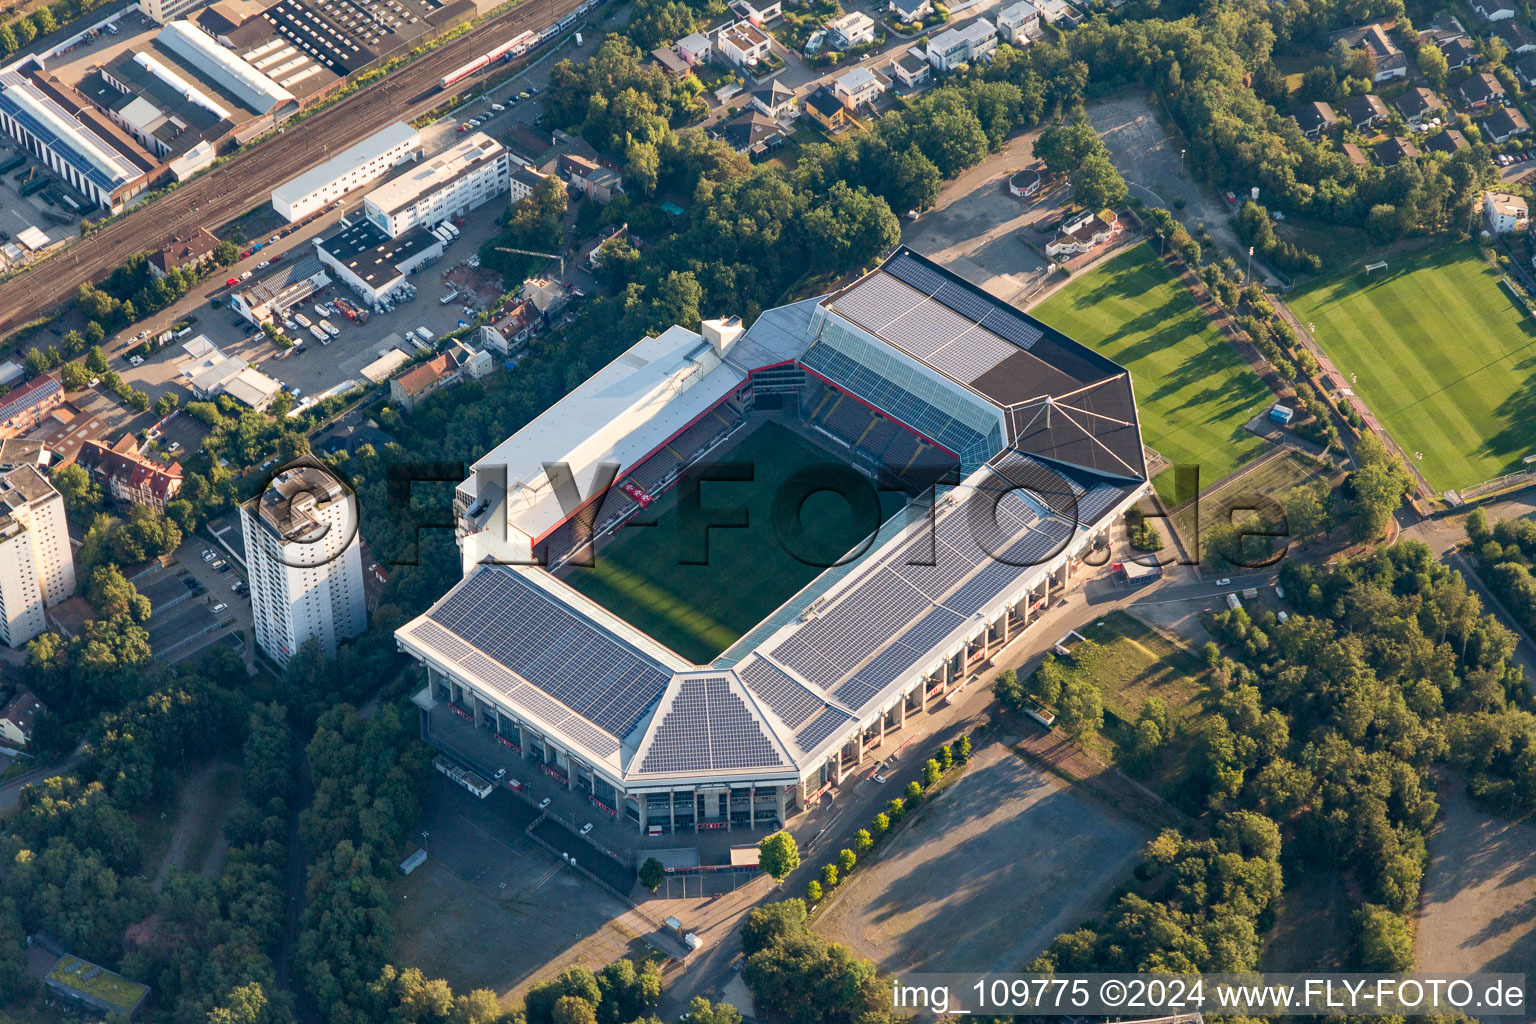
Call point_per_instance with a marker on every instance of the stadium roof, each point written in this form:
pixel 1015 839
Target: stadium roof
pixel 1060 399
pixel 619 415
pixel 317 177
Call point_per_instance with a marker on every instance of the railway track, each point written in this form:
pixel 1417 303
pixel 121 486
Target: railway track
pixel 249 178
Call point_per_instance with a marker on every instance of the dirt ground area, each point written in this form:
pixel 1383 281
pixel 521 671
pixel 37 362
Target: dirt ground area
pixel 974 228
pixel 492 909
pixel 987 874
pixel 1149 159
pixel 476 286
pixel 1478 910
pixel 203 804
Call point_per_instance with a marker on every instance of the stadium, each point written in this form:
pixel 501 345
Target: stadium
pixel 932 465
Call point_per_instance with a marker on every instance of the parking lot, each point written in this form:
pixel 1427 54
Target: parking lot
pixel 18 212
pixel 1006 835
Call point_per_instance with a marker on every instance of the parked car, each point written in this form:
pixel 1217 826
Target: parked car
pixel 207 555
pixel 263 265
pixel 221 606
pixel 217 563
pixel 245 276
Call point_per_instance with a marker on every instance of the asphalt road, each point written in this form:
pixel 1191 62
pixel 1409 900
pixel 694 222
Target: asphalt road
pixel 248 179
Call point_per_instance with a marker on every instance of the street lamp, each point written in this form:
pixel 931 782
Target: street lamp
pixel 1248 274
pixel 1181 161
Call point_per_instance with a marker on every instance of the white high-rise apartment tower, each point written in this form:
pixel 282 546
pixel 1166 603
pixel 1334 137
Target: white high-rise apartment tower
pixel 36 566
pixel 303 551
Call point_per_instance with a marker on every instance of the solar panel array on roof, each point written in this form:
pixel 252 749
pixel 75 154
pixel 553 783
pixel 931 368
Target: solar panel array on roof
pixel 549 646
pixel 791 701
pixel 708 728
pixel 1017 328
pixel 823 725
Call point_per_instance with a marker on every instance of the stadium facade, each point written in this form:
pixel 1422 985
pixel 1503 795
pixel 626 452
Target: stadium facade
pixel 1016 446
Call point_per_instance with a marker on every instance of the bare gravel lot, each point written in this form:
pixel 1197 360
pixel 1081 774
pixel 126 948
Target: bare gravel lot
pixel 1478 911
pixel 987 875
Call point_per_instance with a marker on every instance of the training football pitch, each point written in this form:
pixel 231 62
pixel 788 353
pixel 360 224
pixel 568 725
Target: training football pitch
pixel 649 576
pixel 1441 354
pixel 1194 392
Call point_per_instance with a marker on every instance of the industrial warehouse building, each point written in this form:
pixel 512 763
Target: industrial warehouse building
pixel 1015 449
pixel 352 168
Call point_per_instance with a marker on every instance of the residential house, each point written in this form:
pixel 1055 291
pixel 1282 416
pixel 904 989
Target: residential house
pixel 756 12
pixel 911 71
pixel 743 44
pixel 1524 68
pixel 1459 53
pixel 973 41
pixel 1083 233
pixel 1393 151
pixel 186 252
pixel 1316 118
pixel 1444 27
pixel 1494 10
pixel 443 370
pixel 25 407
pixel 1504 124
pixel 1448 141
pixel 510 332
pixel 1365 111
pixel 908 11
pixel 672 63
pixel 1419 104
pixel 753 133
pixel 128 475
pixel 827 110
pixel 860 87
pixel 774 99
pixel 18 717
pixel 1480 90
pixel 695 49
pixel 852 29
pixel 1059 12
pixel 1390 61
pixel 1355 154
pixel 1018 22
pixel 592 179
pixel 523 181
pixel 594 256
pixel 1517 36
pixel 1505 213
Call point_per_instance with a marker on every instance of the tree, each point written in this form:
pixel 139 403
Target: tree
pixel 962 749
pixel 1378 487
pixel 1097 185
pixel 700 1011
pixel 881 823
pixel 74 376
pixel 769 924
pixel 1080 712
pixel 574 1010
pixel 1432 62
pixel 829 877
pixel 1382 942
pixel 112 595
pixel 652 874
pixel 863 841
pixel 931 773
pixel 778 855
pixel 813 891
pixel 95 358
pixel 1307 509
pixel 850 227
pixel 82 495
pixel 913 794
pixel 846 859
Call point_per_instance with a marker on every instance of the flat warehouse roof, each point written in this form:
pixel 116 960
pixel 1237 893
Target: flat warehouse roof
pixel 434 174
pixel 342 163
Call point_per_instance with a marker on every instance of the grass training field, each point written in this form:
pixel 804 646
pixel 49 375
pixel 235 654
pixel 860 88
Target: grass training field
pixel 1194 392
pixel 644 573
pixel 1441 354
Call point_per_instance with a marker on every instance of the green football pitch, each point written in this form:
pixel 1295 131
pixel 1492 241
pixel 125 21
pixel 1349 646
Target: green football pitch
pixel 1194 392
pixel 794 527
pixel 1441 354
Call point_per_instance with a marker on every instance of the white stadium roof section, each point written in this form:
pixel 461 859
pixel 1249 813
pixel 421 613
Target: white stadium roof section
pixel 620 414
pixel 223 67
pixel 339 165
